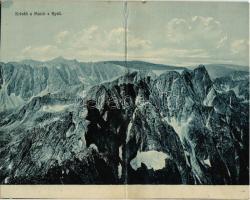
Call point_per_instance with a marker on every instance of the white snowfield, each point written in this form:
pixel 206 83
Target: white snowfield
pixel 55 108
pixel 152 159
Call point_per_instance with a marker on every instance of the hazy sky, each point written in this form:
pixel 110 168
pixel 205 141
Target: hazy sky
pixel 178 33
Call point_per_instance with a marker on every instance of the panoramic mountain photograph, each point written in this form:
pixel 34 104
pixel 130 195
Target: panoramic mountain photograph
pixel 109 92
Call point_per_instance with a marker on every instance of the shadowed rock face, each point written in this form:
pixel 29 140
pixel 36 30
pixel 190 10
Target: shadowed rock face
pixel 198 130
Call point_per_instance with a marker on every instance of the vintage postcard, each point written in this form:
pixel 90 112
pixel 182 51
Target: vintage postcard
pixel 124 99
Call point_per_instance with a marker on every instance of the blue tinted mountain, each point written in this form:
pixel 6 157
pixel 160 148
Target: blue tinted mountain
pixel 175 128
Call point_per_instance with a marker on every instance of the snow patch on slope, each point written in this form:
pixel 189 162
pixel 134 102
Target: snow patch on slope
pixel 209 98
pixel 152 159
pixel 54 108
pixel 207 162
pixel 11 101
pixel 180 127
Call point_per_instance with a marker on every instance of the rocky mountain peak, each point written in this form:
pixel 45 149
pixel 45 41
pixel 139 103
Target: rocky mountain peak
pixel 201 82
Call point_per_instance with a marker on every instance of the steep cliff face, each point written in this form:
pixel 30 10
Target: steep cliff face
pixel 148 132
pixel 177 128
pixel 202 119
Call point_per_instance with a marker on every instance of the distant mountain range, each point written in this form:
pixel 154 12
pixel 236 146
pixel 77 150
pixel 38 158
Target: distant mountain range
pixel 22 80
pixel 214 70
